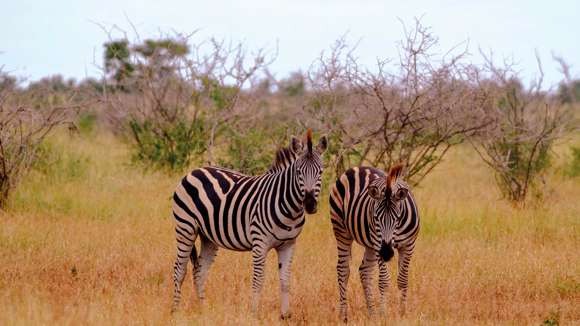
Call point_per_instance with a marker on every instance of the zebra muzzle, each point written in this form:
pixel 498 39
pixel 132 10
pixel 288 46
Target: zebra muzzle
pixel 310 202
pixel 386 252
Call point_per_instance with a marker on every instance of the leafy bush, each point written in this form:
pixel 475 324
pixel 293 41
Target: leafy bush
pixel 46 158
pixel 251 153
pixel 172 105
pixel 553 319
pixel 25 121
pixel 569 91
pixel 53 162
pixel 526 124
pixel 171 147
pixel 573 169
pixel 86 123
pixel 523 162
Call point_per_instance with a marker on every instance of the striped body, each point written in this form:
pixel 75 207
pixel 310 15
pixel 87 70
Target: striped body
pixel 375 224
pixel 230 210
pixel 230 207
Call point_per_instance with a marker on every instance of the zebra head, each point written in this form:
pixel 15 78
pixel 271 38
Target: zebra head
pixel 309 169
pixel 388 193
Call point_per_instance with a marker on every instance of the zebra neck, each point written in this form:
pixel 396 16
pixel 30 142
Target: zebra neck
pixel 282 207
pixel 294 196
pixel 371 207
pixel 284 198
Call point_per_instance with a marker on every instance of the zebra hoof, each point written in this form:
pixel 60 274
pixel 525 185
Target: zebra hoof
pixel 285 316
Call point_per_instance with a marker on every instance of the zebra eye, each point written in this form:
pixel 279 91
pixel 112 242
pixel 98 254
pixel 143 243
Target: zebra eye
pixel 374 192
pixel 401 194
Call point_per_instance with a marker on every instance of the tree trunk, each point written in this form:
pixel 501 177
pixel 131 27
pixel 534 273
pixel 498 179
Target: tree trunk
pixel 4 191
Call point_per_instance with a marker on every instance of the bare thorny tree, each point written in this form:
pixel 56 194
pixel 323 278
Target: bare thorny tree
pixel 25 121
pixel 233 71
pixel 172 81
pixel 413 113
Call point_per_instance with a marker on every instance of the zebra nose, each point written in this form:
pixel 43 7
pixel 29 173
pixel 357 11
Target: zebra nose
pixel 386 252
pixel 310 202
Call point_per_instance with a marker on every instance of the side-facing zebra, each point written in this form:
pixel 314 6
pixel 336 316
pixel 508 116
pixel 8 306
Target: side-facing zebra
pixel 379 212
pixel 238 212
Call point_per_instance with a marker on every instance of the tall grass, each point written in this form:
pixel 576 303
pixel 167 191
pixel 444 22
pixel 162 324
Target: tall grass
pixel 97 247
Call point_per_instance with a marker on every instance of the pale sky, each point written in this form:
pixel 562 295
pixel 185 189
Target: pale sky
pixel 40 38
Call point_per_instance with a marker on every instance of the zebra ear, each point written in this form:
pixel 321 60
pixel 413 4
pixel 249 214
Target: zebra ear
pixel 295 145
pixel 394 174
pixel 308 140
pixel 374 192
pixel 322 144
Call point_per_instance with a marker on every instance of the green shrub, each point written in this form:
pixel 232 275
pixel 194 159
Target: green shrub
pixel 553 319
pixel 170 146
pixel 525 161
pixel 251 153
pixel 518 144
pixel 86 123
pixel 53 162
pixel 46 158
pixel 573 170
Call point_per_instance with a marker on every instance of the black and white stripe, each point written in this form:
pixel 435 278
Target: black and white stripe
pixel 247 213
pixel 379 212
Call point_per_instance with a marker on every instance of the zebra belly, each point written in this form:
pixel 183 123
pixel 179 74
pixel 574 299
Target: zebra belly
pixel 228 231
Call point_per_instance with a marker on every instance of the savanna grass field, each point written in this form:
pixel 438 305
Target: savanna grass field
pixel 89 240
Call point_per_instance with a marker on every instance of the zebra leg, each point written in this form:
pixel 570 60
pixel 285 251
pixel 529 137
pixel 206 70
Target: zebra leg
pixel 185 248
pixel 258 262
pixel 195 262
pixel 343 272
pixel 384 280
pixel 369 263
pixel 285 253
pixel 403 277
pixel 206 258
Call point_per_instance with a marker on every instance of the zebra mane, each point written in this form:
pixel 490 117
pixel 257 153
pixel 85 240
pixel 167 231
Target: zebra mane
pixel 284 157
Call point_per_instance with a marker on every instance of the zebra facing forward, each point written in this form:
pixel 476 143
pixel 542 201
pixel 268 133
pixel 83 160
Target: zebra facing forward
pixel 379 213
pixel 247 213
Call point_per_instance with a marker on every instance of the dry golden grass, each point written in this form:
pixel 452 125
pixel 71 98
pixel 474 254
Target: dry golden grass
pixel 97 247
